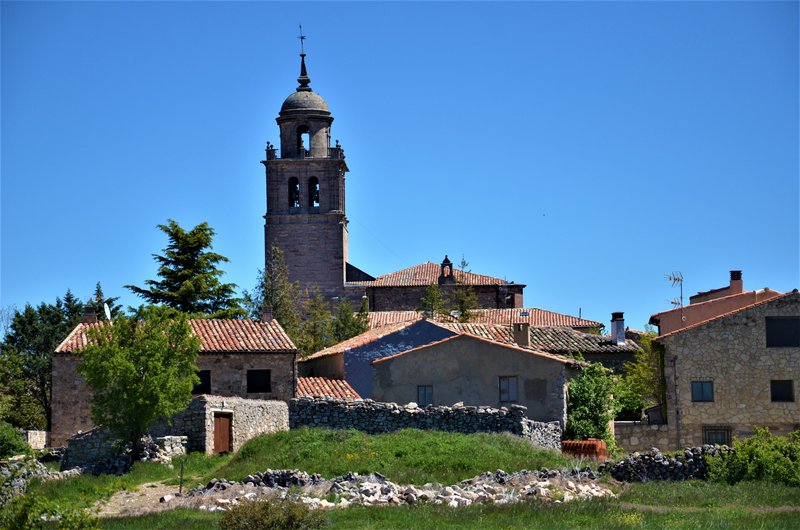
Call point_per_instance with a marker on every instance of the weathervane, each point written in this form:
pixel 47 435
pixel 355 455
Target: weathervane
pixel 302 39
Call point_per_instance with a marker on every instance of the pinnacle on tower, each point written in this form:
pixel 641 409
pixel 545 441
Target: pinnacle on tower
pixel 304 80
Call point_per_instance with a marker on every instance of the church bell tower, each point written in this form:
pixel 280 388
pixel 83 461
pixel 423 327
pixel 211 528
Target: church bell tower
pixel 305 193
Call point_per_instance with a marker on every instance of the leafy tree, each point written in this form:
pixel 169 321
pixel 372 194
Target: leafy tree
pixel 591 405
pixel 463 299
pixel 433 301
pixel 276 291
pixel 190 279
pixel 140 370
pixel 348 324
pixel 26 359
pixel 317 329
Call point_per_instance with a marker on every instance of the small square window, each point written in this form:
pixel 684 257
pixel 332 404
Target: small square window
pixel 781 390
pixel 717 435
pixel 204 386
pixel 508 389
pixel 702 390
pixel 783 332
pixel 424 395
pixel 258 381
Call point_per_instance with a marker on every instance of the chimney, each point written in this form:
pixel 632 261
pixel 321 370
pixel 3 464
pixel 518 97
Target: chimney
pixel 618 328
pixel 266 313
pixel 737 286
pixel 89 315
pixel 521 331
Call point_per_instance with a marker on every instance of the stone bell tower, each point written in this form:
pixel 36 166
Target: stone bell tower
pixel 305 193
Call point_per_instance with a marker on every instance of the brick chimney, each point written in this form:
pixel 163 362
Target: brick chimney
pixel 89 315
pixel 618 328
pixel 266 313
pixel 522 335
pixel 737 285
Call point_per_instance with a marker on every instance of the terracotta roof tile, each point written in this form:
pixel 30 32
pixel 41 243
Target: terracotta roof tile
pixel 217 335
pixel 425 274
pixel 567 340
pixel 533 316
pixel 359 340
pixel 325 387
pixel 729 313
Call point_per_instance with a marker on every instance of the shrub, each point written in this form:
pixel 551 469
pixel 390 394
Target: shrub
pixel 760 457
pixel 271 514
pixel 11 441
pixel 28 512
pixel 591 406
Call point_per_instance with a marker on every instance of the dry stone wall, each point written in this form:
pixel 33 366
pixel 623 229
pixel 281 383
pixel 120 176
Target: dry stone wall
pixel 638 436
pixel 374 417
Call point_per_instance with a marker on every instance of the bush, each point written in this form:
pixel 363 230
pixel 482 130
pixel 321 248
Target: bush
pixel 11 441
pixel 591 406
pixel 271 514
pixel 29 512
pixel 761 457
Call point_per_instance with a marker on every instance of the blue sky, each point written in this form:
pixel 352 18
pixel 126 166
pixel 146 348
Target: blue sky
pixel 586 150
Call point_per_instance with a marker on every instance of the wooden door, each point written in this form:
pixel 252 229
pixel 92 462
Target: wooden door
pixel 222 433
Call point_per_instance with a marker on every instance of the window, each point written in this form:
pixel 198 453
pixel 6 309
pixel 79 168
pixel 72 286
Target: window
pixel 313 192
pixel 424 395
pixel 508 388
pixel 781 390
pixel 702 390
pixel 783 332
pixel 303 140
pixel 258 381
pixel 717 435
pixel 294 193
pixel 204 386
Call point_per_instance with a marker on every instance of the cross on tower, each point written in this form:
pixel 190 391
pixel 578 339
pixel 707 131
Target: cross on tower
pixel 302 38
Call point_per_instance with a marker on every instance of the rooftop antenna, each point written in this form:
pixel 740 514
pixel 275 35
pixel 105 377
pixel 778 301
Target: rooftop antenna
pixel 677 279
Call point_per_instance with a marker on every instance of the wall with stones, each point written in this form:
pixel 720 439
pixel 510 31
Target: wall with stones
pixel 71 400
pixel 229 373
pixel 409 298
pixel 374 417
pixel 37 439
pixel 654 465
pixel 731 352
pixel 638 436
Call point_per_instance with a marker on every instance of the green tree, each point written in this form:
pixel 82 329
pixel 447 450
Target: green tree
pixel 140 370
pixel 97 301
pixel 463 299
pixel 432 301
pixel 317 329
pixel 189 278
pixel 26 359
pixel 591 405
pixel 643 381
pixel 346 323
pixel 274 290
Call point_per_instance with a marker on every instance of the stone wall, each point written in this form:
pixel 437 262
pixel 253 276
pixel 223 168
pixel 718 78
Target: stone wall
pixel 37 439
pixel 71 400
pixel 374 417
pixel 654 465
pixel 731 353
pixel 409 298
pixel 638 436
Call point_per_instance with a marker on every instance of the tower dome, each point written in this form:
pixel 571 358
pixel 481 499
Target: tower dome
pixel 304 101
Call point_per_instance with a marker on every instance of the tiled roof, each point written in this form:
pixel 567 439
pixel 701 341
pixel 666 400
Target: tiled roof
pixel 729 313
pixel 533 316
pixel 426 274
pixel 325 387
pixel 217 335
pixel 538 353
pixel 493 332
pixel 567 340
pixel 359 340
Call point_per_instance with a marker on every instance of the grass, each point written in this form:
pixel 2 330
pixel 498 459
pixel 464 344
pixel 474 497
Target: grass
pixel 408 456
pixel 701 494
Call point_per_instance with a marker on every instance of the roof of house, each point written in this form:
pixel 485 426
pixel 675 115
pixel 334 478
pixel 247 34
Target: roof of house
pixel 362 339
pixel 427 273
pixel 725 315
pixel 532 315
pixel 217 335
pixel 325 387
pixel 655 317
pixel 567 340
pixel 538 353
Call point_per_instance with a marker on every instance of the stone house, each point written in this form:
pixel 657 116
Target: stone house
pixel 734 372
pixel 238 358
pixel 477 371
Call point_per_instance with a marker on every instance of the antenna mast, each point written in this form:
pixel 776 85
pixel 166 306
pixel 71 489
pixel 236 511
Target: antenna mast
pixel 677 279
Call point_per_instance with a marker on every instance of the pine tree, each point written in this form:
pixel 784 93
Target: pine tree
pixel 97 301
pixel 348 324
pixel 317 329
pixel 433 302
pixel 274 290
pixel 189 277
pixel 463 299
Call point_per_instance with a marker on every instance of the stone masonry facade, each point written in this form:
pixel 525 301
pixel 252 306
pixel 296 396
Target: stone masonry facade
pixel 730 353
pixel 409 298
pixel 374 417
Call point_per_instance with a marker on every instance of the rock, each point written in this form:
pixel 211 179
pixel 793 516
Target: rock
pixel 166 498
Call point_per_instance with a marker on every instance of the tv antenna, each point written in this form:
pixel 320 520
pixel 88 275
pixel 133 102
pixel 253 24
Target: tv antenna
pixel 677 280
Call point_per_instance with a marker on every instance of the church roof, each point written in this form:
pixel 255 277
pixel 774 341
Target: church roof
pixel 533 316
pixel 426 274
pixel 217 335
